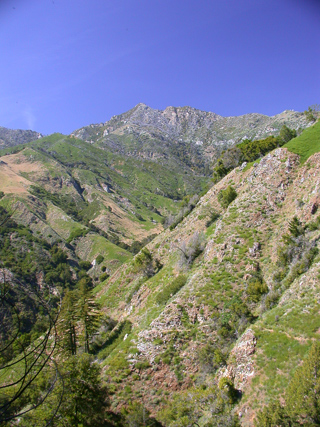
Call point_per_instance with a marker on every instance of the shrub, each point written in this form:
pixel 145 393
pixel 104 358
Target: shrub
pixel 190 250
pixel 256 288
pixel 227 196
pixel 212 218
pixel 287 134
pixel 99 259
pixel 145 263
pixel 75 234
pixel 187 205
pixel 103 277
pixel 171 289
pixel 142 365
pixel 211 357
pixel 226 385
pixel 85 265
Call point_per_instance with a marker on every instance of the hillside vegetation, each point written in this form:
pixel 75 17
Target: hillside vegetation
pixel 214 322
pixel 231 317
pixel 307 143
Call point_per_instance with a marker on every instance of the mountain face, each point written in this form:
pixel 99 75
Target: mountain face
pixel 98 202
pixel 235 302
pixel 146 132
pixel 10 138
pixel 211 318
pixel 124 176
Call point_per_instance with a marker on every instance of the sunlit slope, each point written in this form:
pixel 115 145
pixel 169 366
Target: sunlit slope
pixel 235 297
pixel 307 143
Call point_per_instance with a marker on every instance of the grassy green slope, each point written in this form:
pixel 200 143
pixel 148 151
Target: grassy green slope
pixel 75 185
pixel 307 143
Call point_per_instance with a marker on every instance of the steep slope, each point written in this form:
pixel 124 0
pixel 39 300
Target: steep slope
pixel 69 191
pixel 232 309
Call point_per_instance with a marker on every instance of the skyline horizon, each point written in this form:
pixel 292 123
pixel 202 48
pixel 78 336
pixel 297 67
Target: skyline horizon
pixel 68 63
pixel 157 109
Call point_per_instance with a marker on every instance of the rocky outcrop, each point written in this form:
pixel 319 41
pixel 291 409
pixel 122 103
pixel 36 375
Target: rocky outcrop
pixel 240 367
pixel 10 137
pixel 161 131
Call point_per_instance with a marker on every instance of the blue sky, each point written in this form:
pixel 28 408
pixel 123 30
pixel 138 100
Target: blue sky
pixel 68 63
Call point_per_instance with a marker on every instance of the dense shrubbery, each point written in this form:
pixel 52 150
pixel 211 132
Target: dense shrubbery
pixel 79 397
pixel 63 201
pixel 234 318
pixel 211 356
pixel 171 289
pixel 302 397
pixel 227 196
pixel 35 262
pixel 214 404
pixel 249 151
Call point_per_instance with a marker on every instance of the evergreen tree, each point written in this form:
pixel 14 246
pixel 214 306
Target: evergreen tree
pixel 89 315
pixel 295 227
pixel 67 325
pixel 303 393
pixel 77 399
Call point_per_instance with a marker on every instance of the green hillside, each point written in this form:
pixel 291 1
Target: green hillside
pixel 307 143
pixel 143 303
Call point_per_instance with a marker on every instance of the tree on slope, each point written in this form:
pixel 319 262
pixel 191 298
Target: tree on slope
pixel 80 397
pixel 89 315
pixel 303 393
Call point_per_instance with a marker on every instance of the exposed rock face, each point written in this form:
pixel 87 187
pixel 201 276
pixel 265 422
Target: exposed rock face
pixel 10 138
pixel 240 367
pixel 155 133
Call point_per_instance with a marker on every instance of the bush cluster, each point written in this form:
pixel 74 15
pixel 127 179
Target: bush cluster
pixel 249 151
pixel 171 289
pixel 187 205
pixel 227 196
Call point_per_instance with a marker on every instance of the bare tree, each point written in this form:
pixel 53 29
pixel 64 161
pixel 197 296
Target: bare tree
pixel 190 250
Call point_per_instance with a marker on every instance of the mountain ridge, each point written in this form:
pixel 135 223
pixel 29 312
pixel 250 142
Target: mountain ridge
pixel 221 305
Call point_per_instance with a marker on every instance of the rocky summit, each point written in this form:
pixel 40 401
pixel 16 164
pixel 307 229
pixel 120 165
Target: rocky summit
pixel 151 131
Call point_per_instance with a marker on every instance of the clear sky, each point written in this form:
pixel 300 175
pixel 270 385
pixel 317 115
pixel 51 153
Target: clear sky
pixel 68 63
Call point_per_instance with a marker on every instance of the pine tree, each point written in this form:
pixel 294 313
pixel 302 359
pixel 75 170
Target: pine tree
pixel 89 315
pixel 67 325
pixel 303 393
pixel 295 227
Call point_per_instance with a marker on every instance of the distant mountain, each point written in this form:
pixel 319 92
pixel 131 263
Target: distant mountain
pixel 148 133
pixel 10 137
